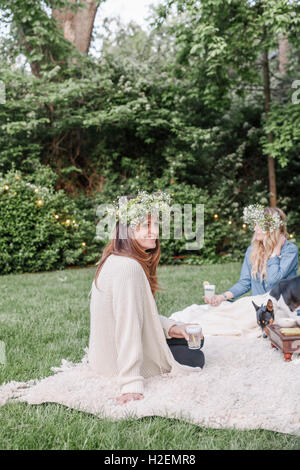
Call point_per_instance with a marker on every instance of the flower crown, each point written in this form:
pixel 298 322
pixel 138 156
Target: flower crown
pixel 254 214
pixel 134 211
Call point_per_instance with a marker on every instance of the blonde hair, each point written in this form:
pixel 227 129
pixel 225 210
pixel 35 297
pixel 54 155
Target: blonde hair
pixel 261 250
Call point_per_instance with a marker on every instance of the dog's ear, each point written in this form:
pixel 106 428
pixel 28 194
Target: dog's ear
pixel 255 306
pixel 270 307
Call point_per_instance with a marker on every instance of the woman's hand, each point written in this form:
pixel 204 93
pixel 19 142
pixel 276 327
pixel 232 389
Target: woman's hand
pixel 126 397
pixel 215 300
pixel 277 249
pixel 179 331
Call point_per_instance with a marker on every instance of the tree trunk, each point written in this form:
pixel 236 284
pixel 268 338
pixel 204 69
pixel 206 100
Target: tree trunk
pixel 78 25
pixel 267 96
pixel 283 54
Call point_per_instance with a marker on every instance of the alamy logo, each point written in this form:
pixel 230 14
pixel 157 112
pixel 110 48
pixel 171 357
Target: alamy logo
pixel 187 222
pixel 2 93
pixel 296 94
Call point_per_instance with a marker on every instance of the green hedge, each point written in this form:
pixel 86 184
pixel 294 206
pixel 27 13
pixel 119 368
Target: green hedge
pixel 41 228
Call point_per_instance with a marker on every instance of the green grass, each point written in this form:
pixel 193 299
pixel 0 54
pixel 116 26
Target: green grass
pixel 44 317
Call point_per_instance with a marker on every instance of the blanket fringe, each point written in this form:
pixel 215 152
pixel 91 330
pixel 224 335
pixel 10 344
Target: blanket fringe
pixel 13 391
pixel 67 365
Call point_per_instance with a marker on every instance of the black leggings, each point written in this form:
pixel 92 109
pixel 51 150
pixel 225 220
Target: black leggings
pixel 182 354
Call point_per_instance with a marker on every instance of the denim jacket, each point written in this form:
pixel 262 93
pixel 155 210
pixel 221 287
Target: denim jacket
pixel 277 268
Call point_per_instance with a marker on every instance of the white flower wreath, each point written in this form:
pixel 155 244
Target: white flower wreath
pixel 134 211
pixel 255 215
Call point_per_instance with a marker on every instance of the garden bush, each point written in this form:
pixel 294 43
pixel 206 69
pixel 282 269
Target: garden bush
pixel 42 228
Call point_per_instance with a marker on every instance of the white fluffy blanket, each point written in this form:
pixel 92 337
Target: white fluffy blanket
pixel 245 384
pixel 231 318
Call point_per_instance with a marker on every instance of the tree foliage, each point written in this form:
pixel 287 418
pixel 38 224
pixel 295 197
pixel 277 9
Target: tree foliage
pixel 181 106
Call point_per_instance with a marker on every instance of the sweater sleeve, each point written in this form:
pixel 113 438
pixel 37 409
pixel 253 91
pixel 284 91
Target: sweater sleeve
pixel 244 283
pixel 279 268
pixel 128 309
pixel 166 324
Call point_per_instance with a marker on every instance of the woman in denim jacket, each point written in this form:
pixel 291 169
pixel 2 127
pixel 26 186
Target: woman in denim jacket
pixel 268 259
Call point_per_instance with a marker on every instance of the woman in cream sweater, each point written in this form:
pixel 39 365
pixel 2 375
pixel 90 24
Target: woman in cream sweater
pixel 128 339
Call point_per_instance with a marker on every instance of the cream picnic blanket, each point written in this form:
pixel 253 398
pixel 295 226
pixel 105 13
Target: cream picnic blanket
pixel 245 384
pixel 230 318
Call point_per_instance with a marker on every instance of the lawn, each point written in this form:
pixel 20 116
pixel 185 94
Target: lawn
pixel 44 317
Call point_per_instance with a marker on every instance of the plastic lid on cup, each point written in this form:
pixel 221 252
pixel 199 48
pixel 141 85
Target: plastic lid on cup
pixel 193 329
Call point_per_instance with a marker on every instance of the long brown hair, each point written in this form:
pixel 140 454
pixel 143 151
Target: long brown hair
pixel 261 250
pixel 131 248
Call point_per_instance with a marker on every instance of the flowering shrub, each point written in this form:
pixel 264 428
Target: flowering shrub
pixel 41 228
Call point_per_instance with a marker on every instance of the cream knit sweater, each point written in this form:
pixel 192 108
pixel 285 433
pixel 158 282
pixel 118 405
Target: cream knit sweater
pixel 127 336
